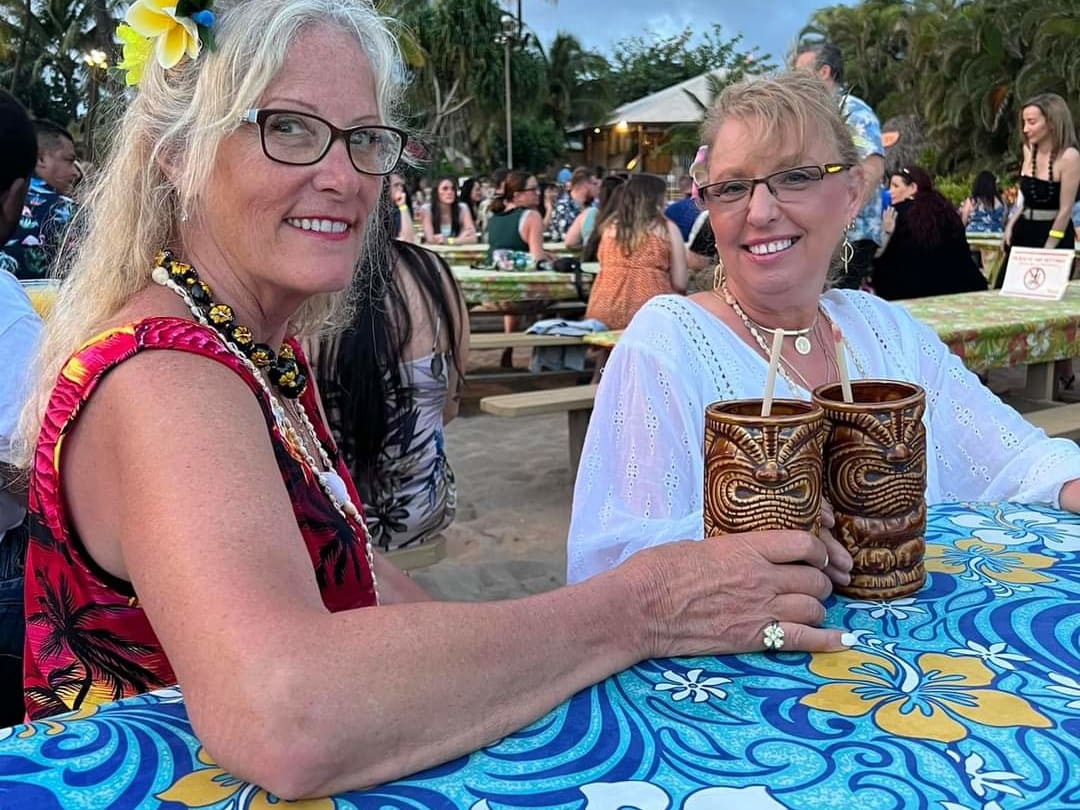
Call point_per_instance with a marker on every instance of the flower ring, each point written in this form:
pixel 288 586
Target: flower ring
pixel 773 635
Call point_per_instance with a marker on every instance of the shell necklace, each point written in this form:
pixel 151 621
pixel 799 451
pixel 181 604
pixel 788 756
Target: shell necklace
pixel 331 483
pixel 802 336
pixel 753 328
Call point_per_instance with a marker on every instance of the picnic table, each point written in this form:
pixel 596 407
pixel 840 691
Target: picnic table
pixel 470 254
pixel 991 249
pixel 965 695
pixel 989 330
pixel 486 286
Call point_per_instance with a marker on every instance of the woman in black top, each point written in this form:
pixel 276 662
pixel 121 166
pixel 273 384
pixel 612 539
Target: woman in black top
pixel 926 250
pixel 1049 176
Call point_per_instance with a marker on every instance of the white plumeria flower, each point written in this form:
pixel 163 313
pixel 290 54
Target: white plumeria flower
pixel 995 653
pixel 1068 687
pixel 989 780
pixel 633 795
pixel 899 609
pixel 689 686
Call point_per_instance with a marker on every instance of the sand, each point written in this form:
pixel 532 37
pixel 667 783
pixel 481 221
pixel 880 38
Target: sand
pixel 513 512
pixel 514 496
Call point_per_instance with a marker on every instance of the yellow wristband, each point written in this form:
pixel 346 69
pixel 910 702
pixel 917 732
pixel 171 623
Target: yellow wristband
pixel 403 208
pixel 449 240
pixel 1057 234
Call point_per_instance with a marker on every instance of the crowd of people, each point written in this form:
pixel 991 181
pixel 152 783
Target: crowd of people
pixel 232 422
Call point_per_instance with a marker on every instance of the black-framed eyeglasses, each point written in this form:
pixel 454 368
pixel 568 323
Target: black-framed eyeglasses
pixel 302 139
pixel 786 185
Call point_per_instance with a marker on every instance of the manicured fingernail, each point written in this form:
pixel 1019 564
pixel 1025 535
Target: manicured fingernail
pixel 849 639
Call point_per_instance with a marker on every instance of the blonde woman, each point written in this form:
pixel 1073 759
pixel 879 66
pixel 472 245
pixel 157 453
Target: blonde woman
pixel 641 254
pixel 187 504
pixel 782 183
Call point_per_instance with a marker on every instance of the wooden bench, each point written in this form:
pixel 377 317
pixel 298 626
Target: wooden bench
pixel 519 340
pixel 576 401
pixel 1060 420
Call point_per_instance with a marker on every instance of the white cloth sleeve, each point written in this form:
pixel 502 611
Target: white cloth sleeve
pixel 640 479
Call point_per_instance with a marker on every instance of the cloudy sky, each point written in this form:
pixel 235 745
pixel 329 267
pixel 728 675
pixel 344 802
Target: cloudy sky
pixel 599 23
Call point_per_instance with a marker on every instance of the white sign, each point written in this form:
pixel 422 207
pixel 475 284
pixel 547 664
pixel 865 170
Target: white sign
pixel 1037 273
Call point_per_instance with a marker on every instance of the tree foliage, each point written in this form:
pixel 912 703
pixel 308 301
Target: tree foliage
pixel 963 68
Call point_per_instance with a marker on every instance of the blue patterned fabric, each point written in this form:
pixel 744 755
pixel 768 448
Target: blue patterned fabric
pixel 31 250
pixel 866 132
pixel 963 697
pixel 986 220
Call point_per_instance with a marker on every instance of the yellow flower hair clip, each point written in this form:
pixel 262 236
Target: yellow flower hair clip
pixel 169 29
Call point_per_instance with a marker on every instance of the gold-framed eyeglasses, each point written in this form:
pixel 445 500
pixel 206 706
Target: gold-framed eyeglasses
pixel 302 139
pixel 786 185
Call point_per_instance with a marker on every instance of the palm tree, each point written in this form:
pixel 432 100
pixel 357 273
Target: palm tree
pixel 104 656
pixel 576 89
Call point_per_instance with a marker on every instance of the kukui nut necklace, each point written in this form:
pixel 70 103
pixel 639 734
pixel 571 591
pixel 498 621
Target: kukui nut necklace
pixel 285 374
pixel 1035 175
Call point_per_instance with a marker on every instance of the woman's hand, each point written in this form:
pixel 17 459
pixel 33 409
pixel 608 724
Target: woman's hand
pixel 888 221
pixel 840 562
pixel 718 595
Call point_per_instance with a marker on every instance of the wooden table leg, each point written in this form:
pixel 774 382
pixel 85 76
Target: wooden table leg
pixel 577 423
pixel 1040 382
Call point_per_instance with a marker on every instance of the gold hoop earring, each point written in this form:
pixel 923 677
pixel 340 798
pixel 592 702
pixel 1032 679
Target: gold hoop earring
pixel 718 275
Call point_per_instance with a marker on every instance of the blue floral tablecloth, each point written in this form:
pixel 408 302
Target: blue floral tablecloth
pixel 964 697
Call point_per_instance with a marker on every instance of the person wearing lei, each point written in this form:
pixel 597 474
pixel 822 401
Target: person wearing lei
pixel 782 184
pixel 192 522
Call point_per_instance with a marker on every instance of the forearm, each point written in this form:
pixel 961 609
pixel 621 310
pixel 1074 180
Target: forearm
pixel 377 694
pixel 395 586
pixel 1070 496
pixel 1061 225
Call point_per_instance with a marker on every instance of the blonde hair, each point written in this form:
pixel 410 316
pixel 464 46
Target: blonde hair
pixel 178 118
pixel 789 107
pixel 1058 120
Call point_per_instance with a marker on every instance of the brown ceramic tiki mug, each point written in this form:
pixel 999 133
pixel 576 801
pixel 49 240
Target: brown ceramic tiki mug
pixel 875 479
pixel 762 472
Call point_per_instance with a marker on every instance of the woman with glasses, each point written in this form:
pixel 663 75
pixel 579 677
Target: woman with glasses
pixel 781 189
pixel 925 250
pixel 192 522
pixel 515 222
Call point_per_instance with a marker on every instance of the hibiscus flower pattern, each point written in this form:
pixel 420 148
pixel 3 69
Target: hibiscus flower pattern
pixel 958 697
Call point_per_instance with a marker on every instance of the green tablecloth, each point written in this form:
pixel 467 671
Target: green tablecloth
pixel 502 286
pixel 986 329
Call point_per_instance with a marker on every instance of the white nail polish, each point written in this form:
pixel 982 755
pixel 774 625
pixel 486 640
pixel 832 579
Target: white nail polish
pixel 849 639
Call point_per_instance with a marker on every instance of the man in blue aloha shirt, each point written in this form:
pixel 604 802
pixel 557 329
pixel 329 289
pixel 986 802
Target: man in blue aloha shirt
pixel 578 195
pixel 825 60
pixel 48 209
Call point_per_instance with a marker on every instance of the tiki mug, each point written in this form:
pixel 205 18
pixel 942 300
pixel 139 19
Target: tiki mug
pixel 762 472
pixel 875 479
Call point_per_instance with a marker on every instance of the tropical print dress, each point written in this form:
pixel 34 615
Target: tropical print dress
pixel 33 247
pixel 88 639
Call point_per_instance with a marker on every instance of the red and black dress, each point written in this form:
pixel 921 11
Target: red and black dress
pixel 88 640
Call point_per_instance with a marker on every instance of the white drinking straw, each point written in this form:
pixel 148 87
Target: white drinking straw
pixel 770 376
pixel 841 364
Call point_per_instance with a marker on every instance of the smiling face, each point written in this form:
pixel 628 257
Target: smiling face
pixel 777 254
pixel 1034 125
pixel 289 232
